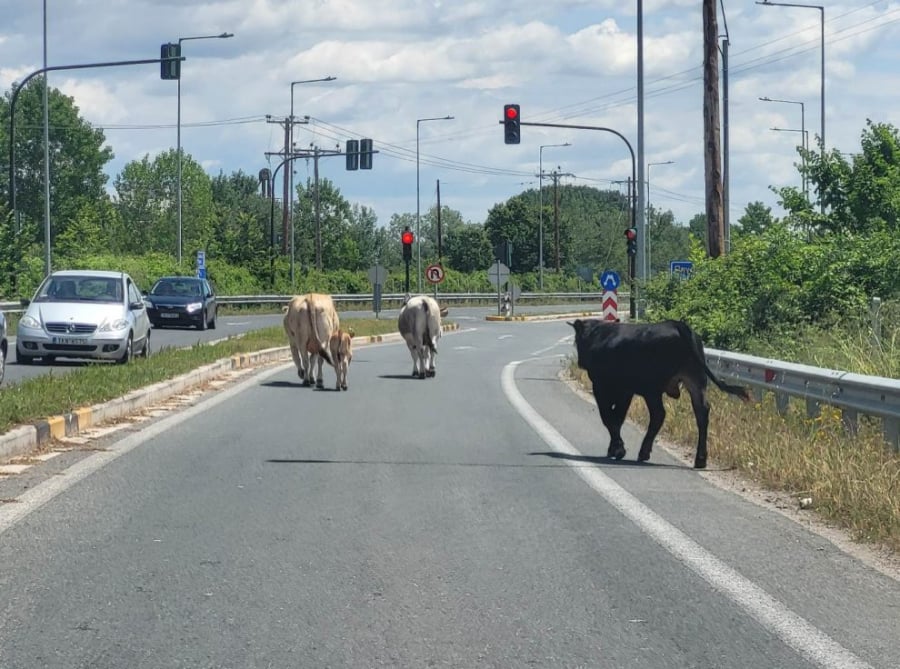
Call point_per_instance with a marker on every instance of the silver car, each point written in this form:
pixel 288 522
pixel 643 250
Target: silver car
pixel 84 314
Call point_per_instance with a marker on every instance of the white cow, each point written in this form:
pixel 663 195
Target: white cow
pixel 420 325
pixel 309 322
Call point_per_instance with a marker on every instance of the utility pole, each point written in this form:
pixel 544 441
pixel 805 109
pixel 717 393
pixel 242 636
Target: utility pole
pixel 711 138
pixel 285 123
pixel 555 176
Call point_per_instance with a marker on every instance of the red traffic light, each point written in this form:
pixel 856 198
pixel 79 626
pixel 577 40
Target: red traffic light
pixel 630 233
pixel 407 237
pixel 512 112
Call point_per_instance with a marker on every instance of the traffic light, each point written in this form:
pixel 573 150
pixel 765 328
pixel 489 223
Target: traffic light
pixel 365 154
pixel 511 131
pixel 352 154
pixel 407 238
pixel 170 69
pixel 631 239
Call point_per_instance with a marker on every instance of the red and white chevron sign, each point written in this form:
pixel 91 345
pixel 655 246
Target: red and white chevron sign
pixel 610 303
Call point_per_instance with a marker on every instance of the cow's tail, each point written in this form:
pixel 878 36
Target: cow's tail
pixel 313 321
pixel 428 337
pixel 697 349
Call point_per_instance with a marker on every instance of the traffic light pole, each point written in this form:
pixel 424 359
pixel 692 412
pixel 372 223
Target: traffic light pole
pixel 12 121
pixel 407 277
pixel 632 298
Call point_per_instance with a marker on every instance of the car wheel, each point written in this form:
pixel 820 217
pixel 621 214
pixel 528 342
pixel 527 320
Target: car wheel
pixel 202 324
pixel 212 323
pixel 128 352
pixel 23 359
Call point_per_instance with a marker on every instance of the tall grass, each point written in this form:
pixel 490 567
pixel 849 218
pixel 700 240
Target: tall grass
pixel 852 480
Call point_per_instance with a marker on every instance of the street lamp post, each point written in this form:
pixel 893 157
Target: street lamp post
pixel 541 211
pixel 804 142
pixel 418 236
pixel 802 129
pixel 822 64
pixel 180 40
pixel 290 203
pixel 650 210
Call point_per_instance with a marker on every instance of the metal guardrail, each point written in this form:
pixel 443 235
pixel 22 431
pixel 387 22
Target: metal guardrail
pixel 853 394
pixel 398 297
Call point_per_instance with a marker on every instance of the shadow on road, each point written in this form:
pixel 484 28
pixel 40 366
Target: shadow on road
pixel 605 460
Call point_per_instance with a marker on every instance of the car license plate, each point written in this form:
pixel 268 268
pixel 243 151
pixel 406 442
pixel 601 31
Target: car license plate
pixel 168 315
pixel 69 340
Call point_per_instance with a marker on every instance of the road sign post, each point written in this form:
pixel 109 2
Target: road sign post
pixel 201 264
pixel 498 275
pixel 609 281
pixel 681 269
pixel 377 276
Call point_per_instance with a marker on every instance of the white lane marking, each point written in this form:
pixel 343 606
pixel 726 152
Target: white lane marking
pixel 35 498
pixel 568 339
pixel 462 348
pixel 795 631
pixel 507 336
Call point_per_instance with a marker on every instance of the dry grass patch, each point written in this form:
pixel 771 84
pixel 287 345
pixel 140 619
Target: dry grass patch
pixel 853 481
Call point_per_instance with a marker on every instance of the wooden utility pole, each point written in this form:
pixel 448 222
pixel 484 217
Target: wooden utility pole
pixel 711 136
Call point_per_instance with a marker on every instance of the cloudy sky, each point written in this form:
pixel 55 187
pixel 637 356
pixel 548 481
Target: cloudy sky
pixel 397 61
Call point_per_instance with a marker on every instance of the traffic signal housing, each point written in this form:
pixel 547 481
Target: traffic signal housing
pixel 170 69
pixel 407 237
pixel 365 154
pixel 511 128
pixel 631 241
pixel 352 152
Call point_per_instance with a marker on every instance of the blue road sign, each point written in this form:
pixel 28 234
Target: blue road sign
pixel 609 280
pixel 201 264
pixel 681 268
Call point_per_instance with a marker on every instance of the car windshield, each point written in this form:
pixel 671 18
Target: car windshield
pixel 178 288
pixel 81 289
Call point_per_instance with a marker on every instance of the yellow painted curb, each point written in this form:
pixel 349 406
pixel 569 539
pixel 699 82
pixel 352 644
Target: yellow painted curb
pixel 84 416
pixel 57 425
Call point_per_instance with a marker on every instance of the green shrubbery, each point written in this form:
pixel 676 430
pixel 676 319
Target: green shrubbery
pixel 775 284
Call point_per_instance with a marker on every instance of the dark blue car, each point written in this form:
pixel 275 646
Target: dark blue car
pixel 182 300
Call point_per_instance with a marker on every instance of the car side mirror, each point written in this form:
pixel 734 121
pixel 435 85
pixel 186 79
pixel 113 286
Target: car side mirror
pixel 135 306
pixel 25 301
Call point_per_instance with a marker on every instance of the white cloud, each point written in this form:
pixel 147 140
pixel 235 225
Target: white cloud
pixel 398 61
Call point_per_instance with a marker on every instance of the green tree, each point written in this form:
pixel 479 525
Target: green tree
pixel 240 231
pixel 77 152
pixel 756 219
pixel 468 249
pixel 148 205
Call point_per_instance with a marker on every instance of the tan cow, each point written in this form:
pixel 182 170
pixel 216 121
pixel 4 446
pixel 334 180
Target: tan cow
pixel 341 347
pixel 309 322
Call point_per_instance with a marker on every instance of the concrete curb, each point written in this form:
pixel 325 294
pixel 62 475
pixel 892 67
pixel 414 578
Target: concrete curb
pixel 545 317
pixel 22 440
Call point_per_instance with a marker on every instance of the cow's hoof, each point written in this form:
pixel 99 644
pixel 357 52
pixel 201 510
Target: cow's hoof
pixel 344 387
pixel 422 375
pixel 617 452
pixel 643 456
pixel 430 372
pixel 305 383
pixel 699 463
pixel 319 384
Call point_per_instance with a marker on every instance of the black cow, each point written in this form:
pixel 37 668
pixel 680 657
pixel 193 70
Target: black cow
pixel 646 359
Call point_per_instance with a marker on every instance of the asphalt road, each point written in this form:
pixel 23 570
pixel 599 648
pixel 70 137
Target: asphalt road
pixel 231 325
pixel 460 521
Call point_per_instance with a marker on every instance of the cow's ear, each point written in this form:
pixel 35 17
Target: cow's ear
pixel 577 324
